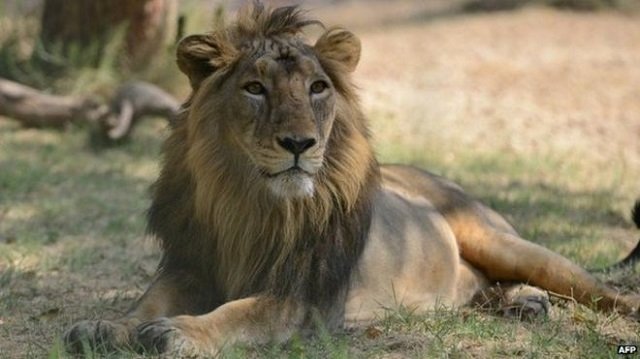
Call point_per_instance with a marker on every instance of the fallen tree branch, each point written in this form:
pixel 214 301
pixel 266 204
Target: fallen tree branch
pixel 33 108
pixel 131 102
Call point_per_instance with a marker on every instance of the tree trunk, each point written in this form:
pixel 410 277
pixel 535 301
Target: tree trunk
pixel 150 25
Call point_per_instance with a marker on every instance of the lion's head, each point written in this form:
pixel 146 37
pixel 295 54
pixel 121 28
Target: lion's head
pixel 270 156
pixel 268 99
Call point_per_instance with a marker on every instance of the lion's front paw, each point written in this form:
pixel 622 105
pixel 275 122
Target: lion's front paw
pixel 96 335
pixel 166 336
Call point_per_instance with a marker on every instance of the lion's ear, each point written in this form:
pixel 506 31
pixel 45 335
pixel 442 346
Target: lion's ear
pixel 199 56
pixel 341 46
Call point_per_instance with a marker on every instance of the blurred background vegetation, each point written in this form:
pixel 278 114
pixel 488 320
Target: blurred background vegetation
pixel 94 45
pixel 80 46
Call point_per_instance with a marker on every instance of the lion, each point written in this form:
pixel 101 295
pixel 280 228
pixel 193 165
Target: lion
pixel 274 216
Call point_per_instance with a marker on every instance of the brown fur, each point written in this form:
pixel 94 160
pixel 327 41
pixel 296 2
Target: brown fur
pixel 260 240
pixel 255 236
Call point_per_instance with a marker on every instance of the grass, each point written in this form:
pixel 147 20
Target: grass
pixel 76 223
pixel 71 219
pixel 546 137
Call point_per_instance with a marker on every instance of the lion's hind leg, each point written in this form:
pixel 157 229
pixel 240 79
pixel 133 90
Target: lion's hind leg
pixel 507 257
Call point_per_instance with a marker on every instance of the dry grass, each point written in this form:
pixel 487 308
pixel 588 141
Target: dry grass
pixel 536 112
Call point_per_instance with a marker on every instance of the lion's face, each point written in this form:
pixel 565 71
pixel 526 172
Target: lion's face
pixel 285 107
pixel 272 104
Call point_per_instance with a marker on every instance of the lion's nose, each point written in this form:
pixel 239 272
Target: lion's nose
pixel 296 145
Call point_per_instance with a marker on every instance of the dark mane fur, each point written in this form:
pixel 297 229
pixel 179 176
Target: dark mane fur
pixel 259 21
pixel 211 219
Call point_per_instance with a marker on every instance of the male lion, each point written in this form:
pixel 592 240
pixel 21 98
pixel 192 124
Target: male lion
pixel 273 212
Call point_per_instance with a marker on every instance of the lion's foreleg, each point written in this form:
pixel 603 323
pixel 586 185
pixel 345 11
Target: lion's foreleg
pixel 166 296
pixel 255 320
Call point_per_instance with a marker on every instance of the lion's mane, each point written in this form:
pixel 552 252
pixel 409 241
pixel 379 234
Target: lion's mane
pixel 213 216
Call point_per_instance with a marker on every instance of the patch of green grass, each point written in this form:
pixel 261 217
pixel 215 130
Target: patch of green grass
pixel 323 346
pixel 76 221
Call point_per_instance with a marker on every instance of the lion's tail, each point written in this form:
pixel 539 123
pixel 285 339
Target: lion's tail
pixel 633 257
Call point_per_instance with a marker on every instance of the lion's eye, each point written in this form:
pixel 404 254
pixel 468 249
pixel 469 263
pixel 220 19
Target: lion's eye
pixel 255 88
pixel 318 87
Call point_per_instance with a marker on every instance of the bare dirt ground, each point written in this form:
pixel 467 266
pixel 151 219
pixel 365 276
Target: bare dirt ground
pixel 534 81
